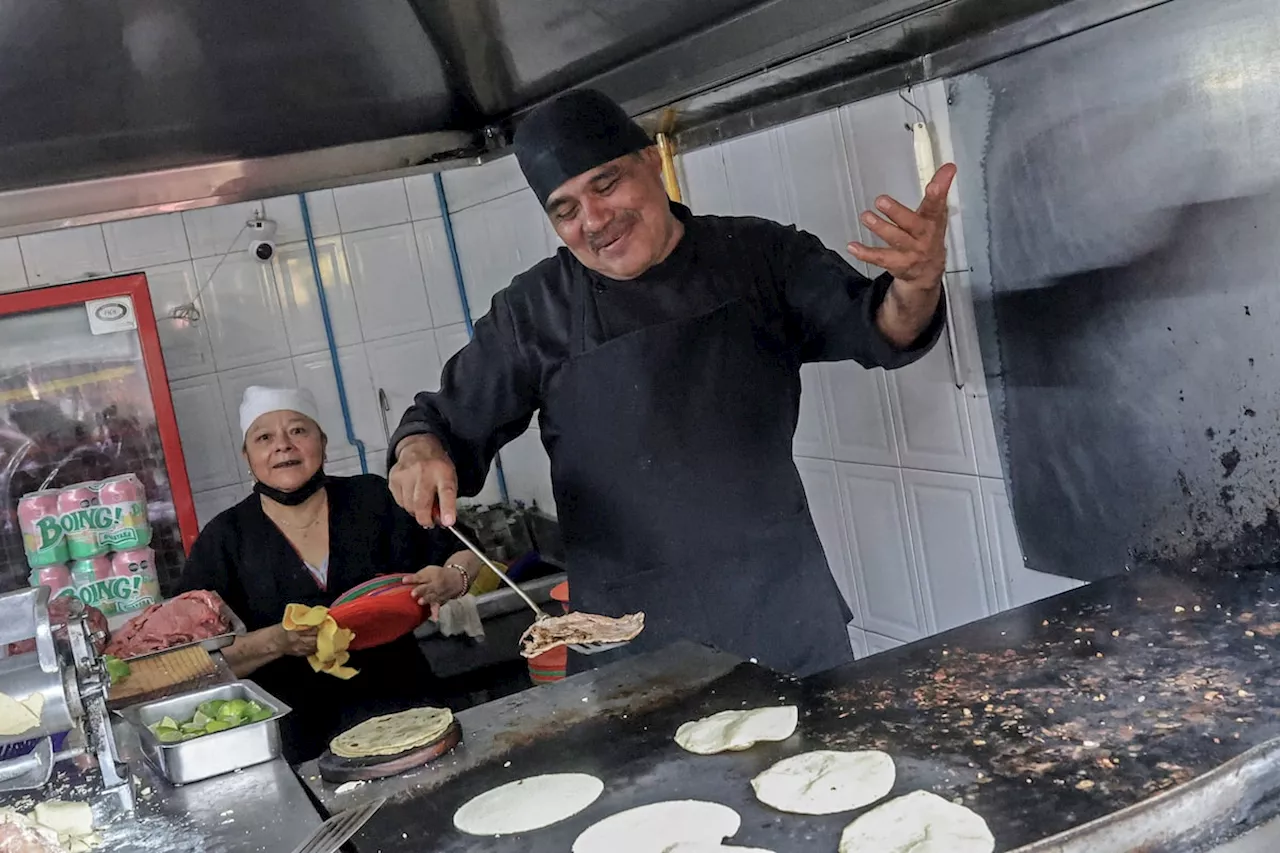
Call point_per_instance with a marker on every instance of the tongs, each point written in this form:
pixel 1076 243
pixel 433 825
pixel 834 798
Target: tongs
pixel 541 615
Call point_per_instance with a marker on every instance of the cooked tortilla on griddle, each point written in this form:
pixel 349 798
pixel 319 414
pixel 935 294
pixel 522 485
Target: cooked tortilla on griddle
pixel 572 628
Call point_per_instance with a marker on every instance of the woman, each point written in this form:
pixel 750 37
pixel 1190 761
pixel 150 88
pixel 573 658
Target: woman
pixel 304 537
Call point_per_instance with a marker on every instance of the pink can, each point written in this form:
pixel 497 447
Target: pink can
pixel 138 566
pixel 126 500
pixel 126 488
pixel 126 564
pixel 79 496
pixel 42 536
pixel 82 521
pixel 57 578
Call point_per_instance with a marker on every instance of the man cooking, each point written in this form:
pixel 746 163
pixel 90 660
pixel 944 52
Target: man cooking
pixel 662 353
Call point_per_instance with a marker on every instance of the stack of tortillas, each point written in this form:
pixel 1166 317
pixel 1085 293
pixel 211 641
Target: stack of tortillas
pixel 392 734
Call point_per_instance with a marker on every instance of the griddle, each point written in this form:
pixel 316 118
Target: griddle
pixel 1041 719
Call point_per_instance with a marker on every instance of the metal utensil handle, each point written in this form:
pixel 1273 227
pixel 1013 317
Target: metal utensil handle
pixel 337 830
pixel 471 546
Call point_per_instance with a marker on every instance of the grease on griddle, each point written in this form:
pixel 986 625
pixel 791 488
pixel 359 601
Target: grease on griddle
pixel 1096 712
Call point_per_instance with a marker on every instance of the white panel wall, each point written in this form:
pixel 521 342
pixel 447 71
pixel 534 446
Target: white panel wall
pixel 928 540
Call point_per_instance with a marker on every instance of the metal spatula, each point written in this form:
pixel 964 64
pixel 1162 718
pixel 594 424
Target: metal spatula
pixel 580 648
pixel 335 831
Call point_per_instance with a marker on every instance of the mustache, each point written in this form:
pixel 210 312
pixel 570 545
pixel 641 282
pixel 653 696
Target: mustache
pixel 618 226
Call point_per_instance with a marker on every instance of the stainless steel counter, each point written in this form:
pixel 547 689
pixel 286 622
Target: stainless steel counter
pixel 261 809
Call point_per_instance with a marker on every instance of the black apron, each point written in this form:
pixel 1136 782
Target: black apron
pixel 675 486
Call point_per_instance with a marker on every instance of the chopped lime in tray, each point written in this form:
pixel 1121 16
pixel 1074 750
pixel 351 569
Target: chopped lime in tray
pixel 212 707
pixel 259 713
pixel 216 715
pixel 234 708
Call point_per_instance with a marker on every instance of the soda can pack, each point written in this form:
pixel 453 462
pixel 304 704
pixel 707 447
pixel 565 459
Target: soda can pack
pixel 101 529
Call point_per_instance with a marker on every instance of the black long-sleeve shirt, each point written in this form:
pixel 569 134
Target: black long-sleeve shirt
pixel 491 389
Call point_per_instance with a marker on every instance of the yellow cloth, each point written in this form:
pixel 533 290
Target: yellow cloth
pixel 331 644
pixel 487 581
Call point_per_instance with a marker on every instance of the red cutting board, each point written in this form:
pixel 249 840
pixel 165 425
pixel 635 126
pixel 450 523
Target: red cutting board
pixel 380 618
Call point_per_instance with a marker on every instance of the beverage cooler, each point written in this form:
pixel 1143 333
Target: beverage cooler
pixel 84 401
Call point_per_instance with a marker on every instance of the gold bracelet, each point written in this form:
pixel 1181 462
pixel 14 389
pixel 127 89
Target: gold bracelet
pixel 466 578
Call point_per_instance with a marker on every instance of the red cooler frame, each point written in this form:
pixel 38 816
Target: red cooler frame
pixel 135 287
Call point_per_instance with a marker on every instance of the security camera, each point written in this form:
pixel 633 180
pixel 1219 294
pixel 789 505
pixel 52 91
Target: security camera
pixel 262 250
pixel 261 246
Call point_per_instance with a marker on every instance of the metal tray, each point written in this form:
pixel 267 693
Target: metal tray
pixel 210 644
pixel 212 754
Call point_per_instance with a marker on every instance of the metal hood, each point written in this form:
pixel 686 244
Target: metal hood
pixel 123 107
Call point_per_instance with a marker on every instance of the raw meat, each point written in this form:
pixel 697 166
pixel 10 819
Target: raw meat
pixel 58 611
pixel 186 618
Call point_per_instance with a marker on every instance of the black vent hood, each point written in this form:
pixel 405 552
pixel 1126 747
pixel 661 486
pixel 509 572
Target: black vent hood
pixel 117 108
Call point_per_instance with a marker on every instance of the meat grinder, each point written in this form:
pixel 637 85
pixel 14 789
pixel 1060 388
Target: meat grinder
pixel 72 677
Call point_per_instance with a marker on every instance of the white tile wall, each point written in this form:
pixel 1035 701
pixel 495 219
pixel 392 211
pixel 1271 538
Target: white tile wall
pixel 437 272
pixel 213 460
pixel 496 240
pixel 877 643
pixel 387 275
pixel 375 205
pixel 1016 583
pixel 186 346
pixel 944 513
pixel 884 567
pixel 424 202
pixel 403 366
pixel 858 641
pixel 72 254
pixel 242 311
pixel 315 371
pixel 300 302
pixel 528 471
pixel 146 242
pixel 822 488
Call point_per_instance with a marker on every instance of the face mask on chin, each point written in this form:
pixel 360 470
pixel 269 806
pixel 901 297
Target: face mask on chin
pixel 295 497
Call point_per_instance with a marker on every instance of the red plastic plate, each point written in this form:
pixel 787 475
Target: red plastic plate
pixel 382 618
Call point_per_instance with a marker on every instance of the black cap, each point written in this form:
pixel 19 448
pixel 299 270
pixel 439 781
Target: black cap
pixel 572 134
